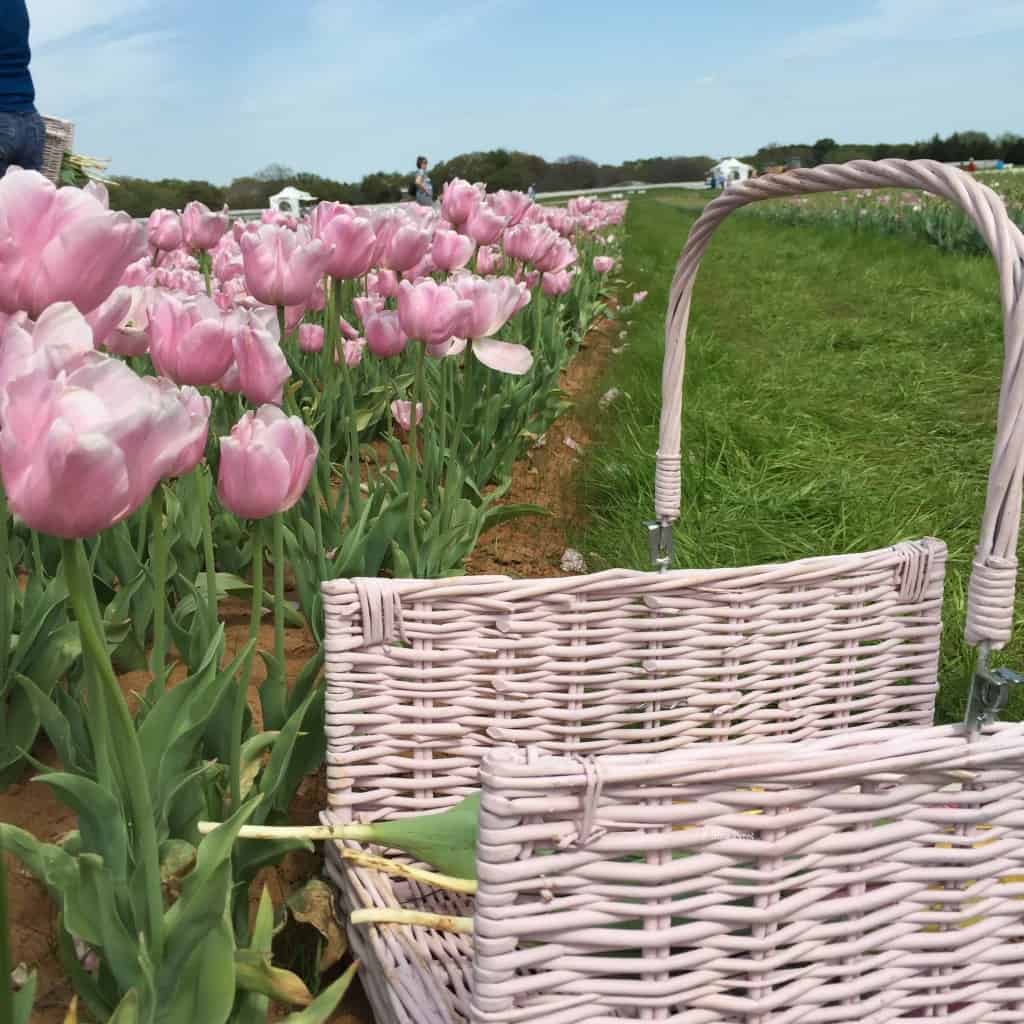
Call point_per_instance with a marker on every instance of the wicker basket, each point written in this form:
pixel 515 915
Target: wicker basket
pixel 861 877
pixel 425 677
pixel 60 138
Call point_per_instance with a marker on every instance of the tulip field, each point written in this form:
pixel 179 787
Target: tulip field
pixel 200 421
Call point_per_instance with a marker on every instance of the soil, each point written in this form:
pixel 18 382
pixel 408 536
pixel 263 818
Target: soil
pixel 525 547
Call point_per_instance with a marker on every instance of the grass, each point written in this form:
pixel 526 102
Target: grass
pixel 840 396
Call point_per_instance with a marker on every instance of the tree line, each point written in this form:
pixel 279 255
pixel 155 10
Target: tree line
pixel 502 168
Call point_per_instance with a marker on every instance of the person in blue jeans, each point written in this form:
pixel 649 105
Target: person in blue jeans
pixel 22 132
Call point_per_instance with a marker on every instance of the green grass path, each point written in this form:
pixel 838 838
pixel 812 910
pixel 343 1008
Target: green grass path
pixel 840 395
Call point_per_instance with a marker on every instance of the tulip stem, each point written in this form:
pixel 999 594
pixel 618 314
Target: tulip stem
pixel 158 656
pixel 6 995
pixel 124 743
pixel 274 707
pixel 242 687
pixel 414 454
pixel 206 489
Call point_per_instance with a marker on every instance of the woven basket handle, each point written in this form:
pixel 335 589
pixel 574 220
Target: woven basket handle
pixel 993 577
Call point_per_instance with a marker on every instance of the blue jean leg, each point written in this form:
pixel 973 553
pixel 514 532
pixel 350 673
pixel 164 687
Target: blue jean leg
pixel 22 139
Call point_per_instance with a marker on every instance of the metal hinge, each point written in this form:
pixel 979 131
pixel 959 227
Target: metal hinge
pixel 990 693
pixel 659 538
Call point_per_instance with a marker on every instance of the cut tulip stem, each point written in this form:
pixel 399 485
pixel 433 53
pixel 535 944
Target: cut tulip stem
pixel 315 833
pixel 466 886
pixel 417 918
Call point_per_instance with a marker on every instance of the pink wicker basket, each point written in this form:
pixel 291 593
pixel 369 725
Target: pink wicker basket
pixel 873 876
pixel 425 677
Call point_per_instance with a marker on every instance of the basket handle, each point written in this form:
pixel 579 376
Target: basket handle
pixel 993 577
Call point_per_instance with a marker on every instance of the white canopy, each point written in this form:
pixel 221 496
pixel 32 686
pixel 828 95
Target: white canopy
pixel 726 167
pixel 290 200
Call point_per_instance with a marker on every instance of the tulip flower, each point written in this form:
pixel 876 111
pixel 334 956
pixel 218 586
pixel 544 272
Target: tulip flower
pixel 198 408
pixel 488 260
pixel 352 351
pixel 429 311
pixel 121 324
pixel 262 367
pixel 164 231
pixel 639 297
pixel 58 341
pixel 406 245
pixel 458 199
pixel 323 213
pixel 347 330
pixel 60 245
pixel 556 282
pixel 483 225
pixel 137 274
pixel 384 335
pixel 227 260
pixel 202 228
pixel 367 305
pixel 451 251
pixel 282 267
pixel 311 338
pixel 510 205
pixel 265 464
pixel 81 452
pixel 602 264
pixel 488 303
pixel 425 268
pixel 529 242
pixel 190 340
pixel 382 283
pixel 561 255
pixel 354 244
pixel 402 413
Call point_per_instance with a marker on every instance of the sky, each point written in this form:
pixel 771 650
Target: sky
pixel 215 89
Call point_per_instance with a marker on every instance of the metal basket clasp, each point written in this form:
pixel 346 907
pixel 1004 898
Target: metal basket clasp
pixel 659 538
pixel 990 692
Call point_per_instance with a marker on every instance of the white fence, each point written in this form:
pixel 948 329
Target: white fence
pixel 611 190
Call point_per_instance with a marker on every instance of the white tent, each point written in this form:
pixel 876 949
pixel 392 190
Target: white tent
pixel 731 169
pixel 290 200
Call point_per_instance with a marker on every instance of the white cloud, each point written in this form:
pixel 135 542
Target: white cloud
pixel 56 20
pixel 912 21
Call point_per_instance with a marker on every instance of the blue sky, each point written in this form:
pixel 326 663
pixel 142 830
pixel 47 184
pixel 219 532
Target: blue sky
pixel 219 88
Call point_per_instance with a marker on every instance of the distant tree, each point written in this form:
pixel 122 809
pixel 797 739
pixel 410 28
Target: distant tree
pixel 274 172
pixel 821 149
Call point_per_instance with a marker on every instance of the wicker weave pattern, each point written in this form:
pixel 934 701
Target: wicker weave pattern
pixel 60 137
pixel 865 876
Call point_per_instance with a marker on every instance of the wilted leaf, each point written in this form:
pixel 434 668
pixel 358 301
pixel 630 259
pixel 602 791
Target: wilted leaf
pixel 313 904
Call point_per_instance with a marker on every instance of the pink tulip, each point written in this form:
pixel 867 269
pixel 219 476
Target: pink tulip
pixel 353 351
pixel 190 339
pixel 425 268
pixel 108 314
pixel 282 267
pixel 384 335
pixel 179 260
pixel 510 205
pixel 489 302
pixel 383 282
pixel 293 316
pixel 530 278
pixel 322 215
pixel 318 299
pixel 561 255
pixel 406 246
pixel 451 251
pixel 57 342
pixel 227 260
pixel 265 464
pixel 347 330
pixel 130 335
pixel 138 273
pixel 202 228
pixel 367 305
pixel 458 199
pixel 556 282
pixel 198 408
pixel 639 297
pixel 602 264
pixel 82 452
pixel 164 231
pixel 262 367
pixel 429 311
pixel 311 338
pixel 354 244
pixel 488 260
pixel 402 413
pixel 60 245
pixel 484 226
pixel 529 243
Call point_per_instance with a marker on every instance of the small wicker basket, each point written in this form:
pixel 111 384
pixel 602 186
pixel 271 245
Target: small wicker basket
pixel 60 139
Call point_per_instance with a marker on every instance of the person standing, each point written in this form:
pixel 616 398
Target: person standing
pixel 22 132
pixel 424 188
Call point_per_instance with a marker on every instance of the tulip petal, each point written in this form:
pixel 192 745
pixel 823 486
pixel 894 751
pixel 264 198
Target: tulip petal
pixel 503 356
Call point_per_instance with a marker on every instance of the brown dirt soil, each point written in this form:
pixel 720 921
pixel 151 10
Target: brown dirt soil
pixel 525 547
